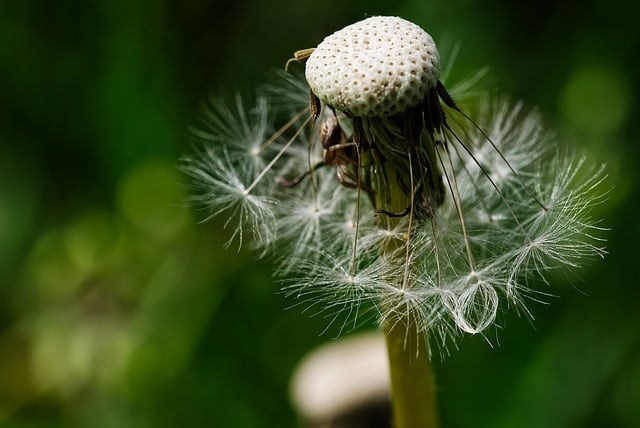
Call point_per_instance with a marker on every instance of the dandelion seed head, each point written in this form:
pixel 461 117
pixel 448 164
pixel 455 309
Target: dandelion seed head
pixel 383 207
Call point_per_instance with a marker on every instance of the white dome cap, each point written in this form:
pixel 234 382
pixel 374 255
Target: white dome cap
pixel 380 66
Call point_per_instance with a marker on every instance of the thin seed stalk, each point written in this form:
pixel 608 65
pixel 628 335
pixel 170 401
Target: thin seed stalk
pixel 412 382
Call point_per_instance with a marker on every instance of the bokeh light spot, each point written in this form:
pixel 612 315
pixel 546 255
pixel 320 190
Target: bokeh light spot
pixel 153 200
pixel 596 99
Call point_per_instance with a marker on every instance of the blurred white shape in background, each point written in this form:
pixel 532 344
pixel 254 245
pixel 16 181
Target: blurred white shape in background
pixel 344 380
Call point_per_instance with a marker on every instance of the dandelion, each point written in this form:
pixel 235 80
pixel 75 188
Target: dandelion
pixel 380 196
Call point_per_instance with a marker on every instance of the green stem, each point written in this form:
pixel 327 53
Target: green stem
pixel 412 383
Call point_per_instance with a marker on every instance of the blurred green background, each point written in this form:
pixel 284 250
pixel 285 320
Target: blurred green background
pixel 117 309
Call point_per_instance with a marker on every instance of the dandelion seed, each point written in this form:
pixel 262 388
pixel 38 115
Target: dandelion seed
pixel 219 188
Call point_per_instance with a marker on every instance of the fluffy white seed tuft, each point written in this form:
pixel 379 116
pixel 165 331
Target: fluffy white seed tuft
pixel 376 67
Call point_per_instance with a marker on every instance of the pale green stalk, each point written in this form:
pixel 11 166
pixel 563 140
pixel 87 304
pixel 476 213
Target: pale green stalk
pixel 412 383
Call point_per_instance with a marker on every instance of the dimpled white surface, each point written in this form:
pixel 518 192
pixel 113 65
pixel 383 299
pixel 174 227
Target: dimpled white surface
pixel 376 67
